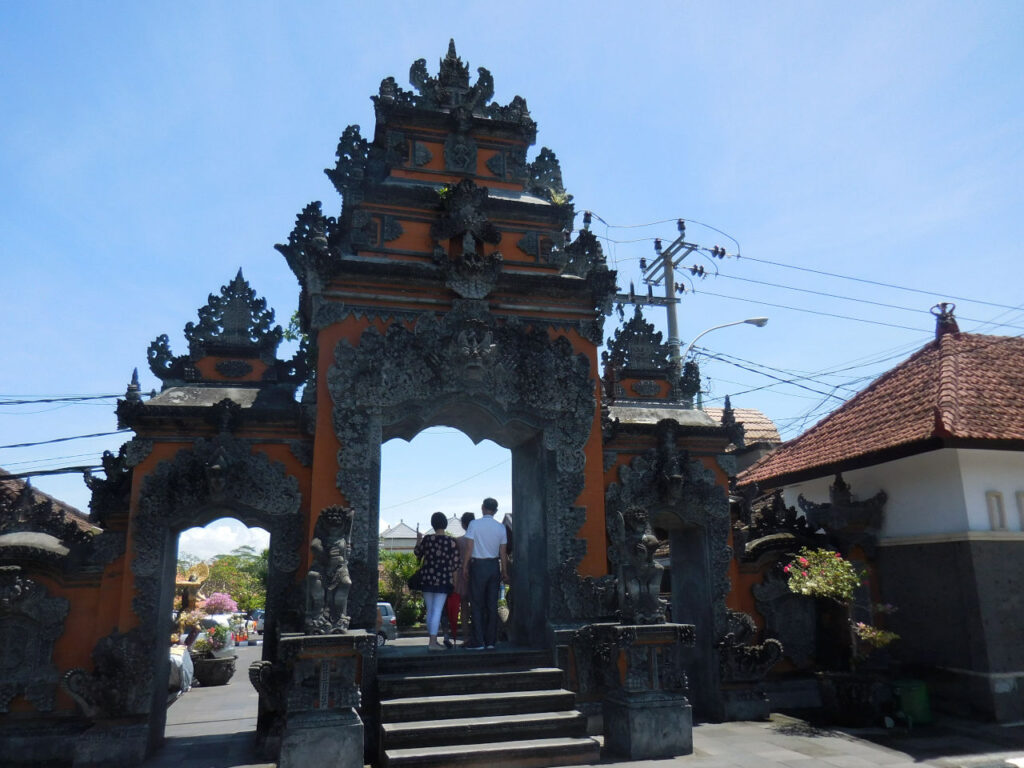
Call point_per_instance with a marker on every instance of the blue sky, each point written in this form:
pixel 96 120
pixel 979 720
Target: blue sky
pixel 148 150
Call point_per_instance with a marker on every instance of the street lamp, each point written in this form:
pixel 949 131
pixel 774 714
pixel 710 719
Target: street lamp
pixel 760 322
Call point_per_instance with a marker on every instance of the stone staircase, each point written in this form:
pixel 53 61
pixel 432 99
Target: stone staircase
pixel 479 708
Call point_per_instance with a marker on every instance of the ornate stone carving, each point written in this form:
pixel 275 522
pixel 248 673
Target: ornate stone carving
pixel 202 482
pixel 404 375
pixel 637 347
pixel 350 169
pixel 312 247
pixel 234 323
pixel 396 148
pixel 391 229
pixel 545 178
pixel 645 388
pixel 679 491
pixel 530 244
pixel 30 622
pixel 459 154
pixel 633 544
pixel 421 154
pixel 234 320
pixel 461 233
pixel 788 617
pixel 766 525
pixel 653 655
pixel 118 685
pixel 740 659
pixel 732 427
pixel 849 522
pixel 328 581
pixel 302 450
pixel 233 369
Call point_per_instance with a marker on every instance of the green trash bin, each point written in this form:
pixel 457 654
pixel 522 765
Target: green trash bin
pixel 912 696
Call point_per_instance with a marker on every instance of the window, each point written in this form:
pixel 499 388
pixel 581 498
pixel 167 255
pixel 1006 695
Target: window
pixel 996 512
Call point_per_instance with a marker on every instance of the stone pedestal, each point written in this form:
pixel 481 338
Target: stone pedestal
pixel 320 698
pixel 648 725
pixel 112 744
pixel 332 738
pixel 638 670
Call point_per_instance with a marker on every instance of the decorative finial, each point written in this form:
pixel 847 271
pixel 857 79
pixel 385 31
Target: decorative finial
pixel 945 321
pixel 133 393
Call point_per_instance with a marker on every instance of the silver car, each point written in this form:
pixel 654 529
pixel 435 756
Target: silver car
pixel 387 629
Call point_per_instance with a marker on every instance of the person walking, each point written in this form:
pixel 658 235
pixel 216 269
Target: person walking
pixel 459 598
pixel 486 566
pixel 440 555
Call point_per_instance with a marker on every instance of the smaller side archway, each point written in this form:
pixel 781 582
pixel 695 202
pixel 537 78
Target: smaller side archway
pixel 219 477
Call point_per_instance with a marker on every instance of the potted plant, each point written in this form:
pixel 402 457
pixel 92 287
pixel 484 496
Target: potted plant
pixel 211 668
pixel 852 694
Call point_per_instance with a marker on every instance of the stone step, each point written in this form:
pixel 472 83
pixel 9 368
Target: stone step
pixel 475 730
pixel 475 705
pixel 394 686
pixel 418 661
pixel 530 753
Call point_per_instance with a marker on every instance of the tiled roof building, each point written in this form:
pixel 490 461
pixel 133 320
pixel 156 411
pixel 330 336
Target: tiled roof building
pixel 960 388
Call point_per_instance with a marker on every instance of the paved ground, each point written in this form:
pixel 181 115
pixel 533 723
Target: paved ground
pixel 213 728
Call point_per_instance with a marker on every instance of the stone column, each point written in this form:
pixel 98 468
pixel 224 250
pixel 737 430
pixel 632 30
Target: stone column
pixel 321 724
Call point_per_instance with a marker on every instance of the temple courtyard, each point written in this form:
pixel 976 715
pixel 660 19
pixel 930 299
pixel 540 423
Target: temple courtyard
pixel 214 727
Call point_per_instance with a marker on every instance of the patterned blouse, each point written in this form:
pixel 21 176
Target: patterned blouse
pixel 440 554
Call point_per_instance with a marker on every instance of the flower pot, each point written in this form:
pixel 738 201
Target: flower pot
pixel 854 698
pixel 214 671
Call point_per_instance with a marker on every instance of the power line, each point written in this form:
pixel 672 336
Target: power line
pixel 57 399
pixel 865 301
pixel 65 439
pixel 808 311
pixel 40 472
pixel 439 490
pixel 878 283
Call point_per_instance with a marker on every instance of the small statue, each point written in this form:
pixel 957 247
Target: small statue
pixel 328 581
pixel 640 580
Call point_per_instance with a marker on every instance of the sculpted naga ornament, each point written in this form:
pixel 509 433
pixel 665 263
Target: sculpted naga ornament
pixel 328 581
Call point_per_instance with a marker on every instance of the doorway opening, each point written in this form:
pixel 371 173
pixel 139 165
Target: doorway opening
pixel 439 470
pixel 218 624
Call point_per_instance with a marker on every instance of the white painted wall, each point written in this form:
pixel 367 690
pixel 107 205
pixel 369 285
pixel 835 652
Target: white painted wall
pixel 939 492
pixel 983 471
pixel 925 493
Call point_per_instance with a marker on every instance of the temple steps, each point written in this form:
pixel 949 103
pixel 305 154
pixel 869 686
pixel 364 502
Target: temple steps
pixel 489 708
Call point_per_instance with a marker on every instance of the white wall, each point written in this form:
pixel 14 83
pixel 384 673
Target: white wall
pixel 983 471
pixel 925 493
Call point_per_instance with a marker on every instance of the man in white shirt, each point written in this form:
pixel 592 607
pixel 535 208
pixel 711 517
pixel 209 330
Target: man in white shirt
pixel 486 564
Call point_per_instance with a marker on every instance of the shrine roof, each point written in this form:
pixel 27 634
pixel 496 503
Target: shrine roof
pixel 12 487
pixel 647 412
pixel 960 389
pixel 757 427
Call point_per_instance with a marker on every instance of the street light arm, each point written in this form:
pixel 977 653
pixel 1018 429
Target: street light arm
pixel 760 322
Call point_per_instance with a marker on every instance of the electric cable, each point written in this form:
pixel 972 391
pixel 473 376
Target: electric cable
pixel 56 399
pixel 65 439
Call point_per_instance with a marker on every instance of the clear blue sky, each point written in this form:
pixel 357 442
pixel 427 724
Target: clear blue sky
pixel 148 150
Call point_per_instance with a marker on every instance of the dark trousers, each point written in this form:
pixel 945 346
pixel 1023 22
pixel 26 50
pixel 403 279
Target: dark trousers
pixel 484 580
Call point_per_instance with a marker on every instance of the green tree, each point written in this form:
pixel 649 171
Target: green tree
pixel 243 575
pixel 395 570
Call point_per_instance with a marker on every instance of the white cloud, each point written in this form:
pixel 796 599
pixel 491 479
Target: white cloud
pixel 221 537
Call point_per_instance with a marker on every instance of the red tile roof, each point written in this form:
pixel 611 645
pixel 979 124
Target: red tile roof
pixel 12 487
pixel 757 428
pixel 960 386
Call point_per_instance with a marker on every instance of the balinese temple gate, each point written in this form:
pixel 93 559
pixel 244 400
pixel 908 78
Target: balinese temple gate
pixel 450 290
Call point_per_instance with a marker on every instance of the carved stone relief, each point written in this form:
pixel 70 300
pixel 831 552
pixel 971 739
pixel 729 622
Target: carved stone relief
pixel 212 478
pixel 30 623
pixel 512 371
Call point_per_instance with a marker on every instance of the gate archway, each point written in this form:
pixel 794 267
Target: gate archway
pixel 503 381
pixel 214 478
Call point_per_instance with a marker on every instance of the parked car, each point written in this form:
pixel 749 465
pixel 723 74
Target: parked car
pixel 387 628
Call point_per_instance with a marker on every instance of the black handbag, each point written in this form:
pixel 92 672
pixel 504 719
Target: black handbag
pixel 416 580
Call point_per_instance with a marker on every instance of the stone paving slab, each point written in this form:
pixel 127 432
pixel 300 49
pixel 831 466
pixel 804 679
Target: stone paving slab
pixel 214 728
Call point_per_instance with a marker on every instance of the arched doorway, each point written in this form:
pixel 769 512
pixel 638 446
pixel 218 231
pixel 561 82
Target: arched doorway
pixel 502 381
pixel 218 477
